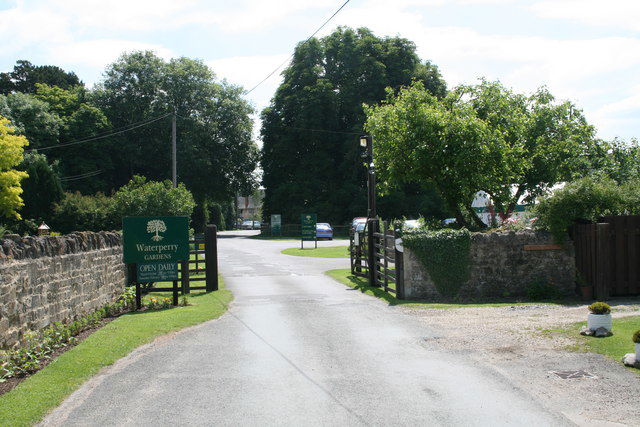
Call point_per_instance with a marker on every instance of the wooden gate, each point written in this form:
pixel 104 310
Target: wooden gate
pixel 608 255
pixel 374 255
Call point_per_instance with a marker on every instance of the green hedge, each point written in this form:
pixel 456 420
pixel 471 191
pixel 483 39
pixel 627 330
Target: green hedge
pixel 585 201
pixel 445 256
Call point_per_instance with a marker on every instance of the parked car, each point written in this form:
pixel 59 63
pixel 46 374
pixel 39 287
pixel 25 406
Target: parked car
pixel 410 224
pixel 358 220
pixel 324 231
pixel 250 225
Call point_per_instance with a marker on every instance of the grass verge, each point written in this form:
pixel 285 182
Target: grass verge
pixel 32 399
pixel 344 276
pixel 614 347
pixel 321 252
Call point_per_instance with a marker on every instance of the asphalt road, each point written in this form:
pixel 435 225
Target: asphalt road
pixel 297 348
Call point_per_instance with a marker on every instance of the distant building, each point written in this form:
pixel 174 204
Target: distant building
pixel 250 207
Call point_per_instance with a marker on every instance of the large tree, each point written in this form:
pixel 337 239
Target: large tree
pixel 311 159
pixel 25 76
pixel 482 137
pixel 12 148
pixel 42 187
pixel 216 155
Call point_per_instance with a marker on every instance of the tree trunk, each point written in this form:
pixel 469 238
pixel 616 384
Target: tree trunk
pixel 476 219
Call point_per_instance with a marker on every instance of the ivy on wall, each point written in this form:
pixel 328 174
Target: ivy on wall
pixel 445 256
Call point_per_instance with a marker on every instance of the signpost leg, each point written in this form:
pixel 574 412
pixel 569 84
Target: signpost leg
pixel 211 257
pixel 175 292
pixel 138 296
pixel 184 277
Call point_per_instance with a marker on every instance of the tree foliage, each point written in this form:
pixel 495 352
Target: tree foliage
pixel 42 187
pixel 323 89
pixel 585 201
pixel 214 125
pixel 140 197
pixel 25 77
pixel 11 147
pixel 482 137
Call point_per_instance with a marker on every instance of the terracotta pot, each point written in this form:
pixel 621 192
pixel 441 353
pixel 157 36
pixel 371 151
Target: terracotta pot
pixel 587 292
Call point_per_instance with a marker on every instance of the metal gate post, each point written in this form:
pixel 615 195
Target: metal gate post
pixel 211 257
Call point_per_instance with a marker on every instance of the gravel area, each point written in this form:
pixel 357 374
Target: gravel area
pixel 510 339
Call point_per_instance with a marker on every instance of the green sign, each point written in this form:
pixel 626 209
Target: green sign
pixel 155 239
pixel 276 224
pixel 157 272
pixel 309 226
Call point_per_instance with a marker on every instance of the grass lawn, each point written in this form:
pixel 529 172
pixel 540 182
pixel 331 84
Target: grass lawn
pixel 321 252
pixel 32 399
pixel 614 347
pixel 344 276
pixel 261 237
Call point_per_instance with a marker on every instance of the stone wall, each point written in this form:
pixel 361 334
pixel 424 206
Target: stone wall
pixel 48 279
pixel 500 267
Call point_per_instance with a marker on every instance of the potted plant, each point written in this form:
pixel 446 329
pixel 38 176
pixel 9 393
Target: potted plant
pixel 600 316
pixel 636 339
pixel 586 290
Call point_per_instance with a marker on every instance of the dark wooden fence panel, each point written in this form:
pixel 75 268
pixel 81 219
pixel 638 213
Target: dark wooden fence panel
pixel 608 255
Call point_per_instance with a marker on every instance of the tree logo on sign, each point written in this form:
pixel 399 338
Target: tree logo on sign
pixel 156 226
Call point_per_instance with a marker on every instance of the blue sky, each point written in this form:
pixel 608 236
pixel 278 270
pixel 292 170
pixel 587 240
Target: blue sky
pixel 587 51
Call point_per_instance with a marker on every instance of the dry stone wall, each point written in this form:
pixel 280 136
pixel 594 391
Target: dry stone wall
pixel 48 279
pixel 500 267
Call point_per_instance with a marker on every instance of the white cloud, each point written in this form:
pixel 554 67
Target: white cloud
pixel 100 52
pixel 611 13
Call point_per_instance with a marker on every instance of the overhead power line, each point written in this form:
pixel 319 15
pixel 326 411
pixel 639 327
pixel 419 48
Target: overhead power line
pixel 124 129
pixel 291 56
pixel 81 176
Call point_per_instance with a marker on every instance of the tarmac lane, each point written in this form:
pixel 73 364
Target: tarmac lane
pixel 297 348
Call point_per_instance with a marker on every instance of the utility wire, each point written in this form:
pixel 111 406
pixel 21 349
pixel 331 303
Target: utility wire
pixel 291 56
pixel 124 129
pixel 81 176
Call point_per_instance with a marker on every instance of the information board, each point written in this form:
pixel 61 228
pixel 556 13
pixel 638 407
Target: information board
pixel 309 226
pixel 157 272
pixel 276 224
pixel 155 239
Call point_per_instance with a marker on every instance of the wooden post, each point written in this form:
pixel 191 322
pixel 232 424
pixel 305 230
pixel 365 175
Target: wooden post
pixel 138 296
pixel 399 263
pixel 175 292
pixel 384 254
pixel 352 248
pixel 372 227
pixel 211 257
pixel 603 273
pixel 184 276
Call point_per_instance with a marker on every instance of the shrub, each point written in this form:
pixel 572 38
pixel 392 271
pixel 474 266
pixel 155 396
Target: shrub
pixel 636 337
pixel 445 256
pixel 585 200
pixel 148 198
pixel 76 212
pixel 600 308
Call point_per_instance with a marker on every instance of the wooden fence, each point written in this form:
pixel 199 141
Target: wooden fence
pixel 374 255
pixel 608 255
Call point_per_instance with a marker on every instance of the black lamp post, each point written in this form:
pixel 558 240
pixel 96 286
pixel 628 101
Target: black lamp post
pixel 366 141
